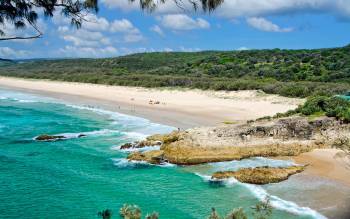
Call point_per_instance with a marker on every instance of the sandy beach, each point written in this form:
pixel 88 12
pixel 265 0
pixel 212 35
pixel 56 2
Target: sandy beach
pixel 187 109
pixel 178 108
pixel 329 163
pixel 192 108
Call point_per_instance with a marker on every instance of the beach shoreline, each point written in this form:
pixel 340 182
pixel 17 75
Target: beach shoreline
pixel 323 163
pixel 332 164
pixel 180 108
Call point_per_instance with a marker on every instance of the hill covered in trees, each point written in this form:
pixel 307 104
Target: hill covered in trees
pixel 295 73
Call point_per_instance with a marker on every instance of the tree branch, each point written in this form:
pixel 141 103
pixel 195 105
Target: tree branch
pixel 39 35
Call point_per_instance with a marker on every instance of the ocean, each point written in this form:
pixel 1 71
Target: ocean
pixel 77 177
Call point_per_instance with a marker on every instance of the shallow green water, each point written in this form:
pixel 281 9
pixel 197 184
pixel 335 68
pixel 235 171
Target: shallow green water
pixel 76 178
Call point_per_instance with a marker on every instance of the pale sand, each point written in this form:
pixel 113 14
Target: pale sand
pixel 178 108
pixel 329 163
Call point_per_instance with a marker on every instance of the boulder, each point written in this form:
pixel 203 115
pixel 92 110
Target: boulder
pixel 49 137
pixel 126 146
pixel 153 157
pixel 260 175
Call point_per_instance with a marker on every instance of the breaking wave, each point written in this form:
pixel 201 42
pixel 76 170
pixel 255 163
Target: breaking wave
pixel 125 163
pixel 261 194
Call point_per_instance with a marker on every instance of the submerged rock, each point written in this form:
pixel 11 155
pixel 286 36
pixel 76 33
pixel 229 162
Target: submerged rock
pixel 49 137
pixel 126 146
pixel 153 157
pixel 154 140
pixel 260 175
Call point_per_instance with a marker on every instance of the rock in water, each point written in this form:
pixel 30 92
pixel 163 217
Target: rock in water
pixel 49 137
pixel 260 175
pixel 153 157
pixel 126 146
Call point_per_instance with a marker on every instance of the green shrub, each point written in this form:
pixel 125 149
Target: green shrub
pixel 130 212
pixel 237 214
pixel 313 105
pixel 105 214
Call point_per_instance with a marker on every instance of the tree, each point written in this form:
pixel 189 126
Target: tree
pixel 24 13
pixel 214 214
pixel 105 214
pixel 263 210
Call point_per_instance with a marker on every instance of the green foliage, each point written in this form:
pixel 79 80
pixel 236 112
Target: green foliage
pixel 237 214
pixel 154 215
pixel 316 106
pixel 130 212
pixel 214 214
pixel 105 214
pixel 263 210
pixel 134 212
pixel 313 105
pixel 293 73
pixel 331 106
pixel 21 13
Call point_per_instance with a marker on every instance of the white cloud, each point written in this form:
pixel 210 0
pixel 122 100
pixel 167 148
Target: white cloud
pixel 8 53
pixel 123 26
pixel 132 38
pixel 157 30
pixel 10 31
pixel 243 48
pixel 95 23
pixel 249 8
pixel 96 35
pixel 168 49
pixel 257 8
pixel 266 25
pixel 182 22
pixel 184 49
pixel 131 33
pixel 121 4
pixel 73 51
pixel 83 37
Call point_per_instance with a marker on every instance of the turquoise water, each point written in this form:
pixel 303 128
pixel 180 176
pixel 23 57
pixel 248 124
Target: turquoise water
pixel 77 177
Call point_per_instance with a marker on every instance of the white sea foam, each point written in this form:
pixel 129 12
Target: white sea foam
pixel 262 195
pixel 143 149
pixel 251 162
pixel 125 163
pixel 85 134
pixel 134 135
pixel 22 97
pixel 91 133
pixel 136 128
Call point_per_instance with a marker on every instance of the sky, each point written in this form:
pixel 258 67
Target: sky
pixel 121 28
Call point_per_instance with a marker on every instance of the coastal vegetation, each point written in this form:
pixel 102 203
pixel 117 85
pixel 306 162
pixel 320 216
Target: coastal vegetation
pixel 262 210
pixel 320 105
pixel 292 73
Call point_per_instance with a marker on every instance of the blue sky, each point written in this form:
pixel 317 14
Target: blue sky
pixel 121 28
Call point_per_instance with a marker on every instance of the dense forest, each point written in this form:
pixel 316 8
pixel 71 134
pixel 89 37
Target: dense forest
pixel 294 73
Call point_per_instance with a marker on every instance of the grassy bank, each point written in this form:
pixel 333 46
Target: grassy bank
pixel 293 73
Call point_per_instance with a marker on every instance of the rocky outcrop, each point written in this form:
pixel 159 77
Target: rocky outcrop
pixel 49 137
pixel 282 137
pixel 153 157
pixel 260 175
pixel 45 137
pixel 154 140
